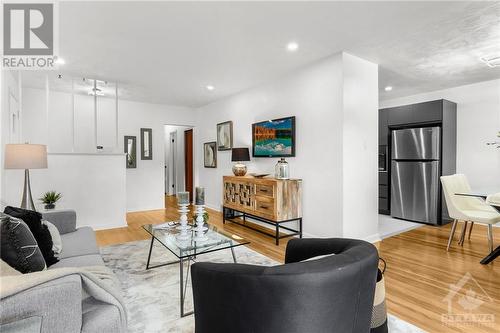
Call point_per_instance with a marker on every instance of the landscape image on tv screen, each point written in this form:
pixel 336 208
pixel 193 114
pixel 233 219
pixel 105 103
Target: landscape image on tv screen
pixel 274 138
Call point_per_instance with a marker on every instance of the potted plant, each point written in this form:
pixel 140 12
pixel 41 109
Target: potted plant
pixel 50 198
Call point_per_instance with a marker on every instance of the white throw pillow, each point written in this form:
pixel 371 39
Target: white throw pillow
pixel 56 237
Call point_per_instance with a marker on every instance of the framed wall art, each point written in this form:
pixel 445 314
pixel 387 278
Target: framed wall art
pixel 130 150
pixel 146 144
pixel 225 135
pixel 210 154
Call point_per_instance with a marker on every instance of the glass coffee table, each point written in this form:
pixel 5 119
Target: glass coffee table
pixel 187 250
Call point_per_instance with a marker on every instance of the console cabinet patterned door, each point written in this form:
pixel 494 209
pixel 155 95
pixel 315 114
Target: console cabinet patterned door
pixel 239 194
pixel 269 198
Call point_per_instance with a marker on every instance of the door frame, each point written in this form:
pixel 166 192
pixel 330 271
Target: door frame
pixel 189 167
pixel 172 170
pixel 172 158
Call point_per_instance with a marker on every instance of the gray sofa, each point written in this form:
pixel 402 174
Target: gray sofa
pixel 66 297
pixel 79 244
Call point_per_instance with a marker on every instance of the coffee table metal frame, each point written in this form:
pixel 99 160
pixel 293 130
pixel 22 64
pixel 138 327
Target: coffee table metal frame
pixel 188 258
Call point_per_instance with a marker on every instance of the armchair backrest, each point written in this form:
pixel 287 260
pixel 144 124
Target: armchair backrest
pixel 457 204
pixel 331 294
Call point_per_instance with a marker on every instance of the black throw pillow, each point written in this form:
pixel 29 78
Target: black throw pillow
pixel 40 231
pixel 18 247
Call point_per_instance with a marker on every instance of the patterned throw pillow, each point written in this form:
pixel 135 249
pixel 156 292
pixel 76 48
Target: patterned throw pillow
pixel 18 247
pixel 40 231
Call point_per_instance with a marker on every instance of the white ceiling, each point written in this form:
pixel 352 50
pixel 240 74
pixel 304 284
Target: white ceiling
pixel 167 52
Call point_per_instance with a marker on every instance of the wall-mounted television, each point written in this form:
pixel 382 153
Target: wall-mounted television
pixel 274 138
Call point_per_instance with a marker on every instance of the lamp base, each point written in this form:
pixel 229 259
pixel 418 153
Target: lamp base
pixel 27 200
pixel 239 169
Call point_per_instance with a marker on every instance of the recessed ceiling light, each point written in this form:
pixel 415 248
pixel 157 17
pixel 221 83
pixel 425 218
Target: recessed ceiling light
pixel 292 46
pixel 388 88
pixel 210 87
pixel 491 61
pixel 59 61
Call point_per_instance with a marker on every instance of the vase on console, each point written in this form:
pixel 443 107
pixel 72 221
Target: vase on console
pixel 240 155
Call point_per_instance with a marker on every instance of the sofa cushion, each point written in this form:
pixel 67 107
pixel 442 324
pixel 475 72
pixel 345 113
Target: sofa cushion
pixel 40 232
pixel 79 261
pixel 18 247
pixel 79 243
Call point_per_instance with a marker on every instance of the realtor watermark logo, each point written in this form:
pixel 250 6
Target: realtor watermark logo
pixel 465 299
pixel 29 35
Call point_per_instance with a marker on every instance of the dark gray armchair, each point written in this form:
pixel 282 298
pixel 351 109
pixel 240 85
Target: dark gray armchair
pixel 331 294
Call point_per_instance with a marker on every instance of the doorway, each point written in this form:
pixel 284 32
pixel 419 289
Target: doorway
pixel 179 175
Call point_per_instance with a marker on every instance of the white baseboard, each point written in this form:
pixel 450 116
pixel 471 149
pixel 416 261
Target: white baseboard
pixel 217 209
pixel 103 227
pixel 135 210
pixel 373 238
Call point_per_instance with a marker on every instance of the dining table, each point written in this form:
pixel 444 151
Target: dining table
pixel 496 205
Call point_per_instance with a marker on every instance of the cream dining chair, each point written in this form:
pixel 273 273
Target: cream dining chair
pixel 466 209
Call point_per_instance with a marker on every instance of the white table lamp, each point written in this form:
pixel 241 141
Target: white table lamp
pixel 26 156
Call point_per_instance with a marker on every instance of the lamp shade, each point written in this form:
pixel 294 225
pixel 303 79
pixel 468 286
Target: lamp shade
pixel 240 155
pixel 25 156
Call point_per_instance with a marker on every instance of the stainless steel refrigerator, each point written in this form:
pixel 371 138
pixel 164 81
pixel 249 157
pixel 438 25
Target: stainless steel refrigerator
pixel 415 171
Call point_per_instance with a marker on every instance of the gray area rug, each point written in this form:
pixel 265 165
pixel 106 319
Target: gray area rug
pixel 152 296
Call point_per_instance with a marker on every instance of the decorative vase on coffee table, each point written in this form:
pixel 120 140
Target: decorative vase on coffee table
pixel 183 202
pixel 200 227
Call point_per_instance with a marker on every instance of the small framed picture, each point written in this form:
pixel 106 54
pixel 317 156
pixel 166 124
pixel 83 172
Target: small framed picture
pixel 210 154
pixel 130 150
pixel 146 144
pixel 225 135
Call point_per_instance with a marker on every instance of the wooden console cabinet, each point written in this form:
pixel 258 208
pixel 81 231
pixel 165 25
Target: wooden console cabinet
pixel 269 200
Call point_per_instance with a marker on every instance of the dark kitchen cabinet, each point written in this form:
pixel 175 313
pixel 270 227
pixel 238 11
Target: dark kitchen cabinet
pixel 400 115
pixel 427 112
pixel 441 113
pixel 420 113
pixel 383 130
pixel 383 191
pixel 383 206
pixel 383 178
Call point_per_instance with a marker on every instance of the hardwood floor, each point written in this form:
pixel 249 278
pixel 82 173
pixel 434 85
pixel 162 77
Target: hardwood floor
pixel 419 270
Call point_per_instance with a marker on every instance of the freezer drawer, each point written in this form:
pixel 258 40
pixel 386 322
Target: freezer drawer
pixel 416 143
pixel 415 191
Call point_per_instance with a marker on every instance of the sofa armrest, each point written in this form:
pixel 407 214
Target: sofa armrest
pixel 64 220
pixel 52 307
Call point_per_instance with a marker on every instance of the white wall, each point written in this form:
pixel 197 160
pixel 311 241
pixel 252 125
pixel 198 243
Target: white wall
pixel 146 183
pixel 360 148
pixel 315 95
pixel 9 86
pixel 478 121
pixel 91 184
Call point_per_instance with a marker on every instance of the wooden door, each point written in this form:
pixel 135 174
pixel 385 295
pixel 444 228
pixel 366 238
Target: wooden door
pixel 188 162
